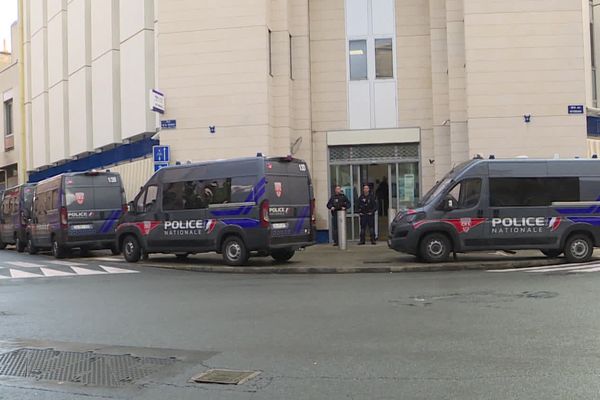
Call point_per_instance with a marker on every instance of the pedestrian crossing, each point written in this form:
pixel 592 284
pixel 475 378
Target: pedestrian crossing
pixel 56 269
pixel 560 268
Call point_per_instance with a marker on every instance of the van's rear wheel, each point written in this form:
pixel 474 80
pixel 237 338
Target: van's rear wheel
pixel 579 248
pixel 58 251
pixel 551 253
pixel 435 247
pixel 2 245
pixel 132 251
pixel 31 249
pixel 282 255
pixel 234 251
pixel 19 245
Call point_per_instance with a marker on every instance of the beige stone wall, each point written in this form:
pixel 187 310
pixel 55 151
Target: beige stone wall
pixel 525 57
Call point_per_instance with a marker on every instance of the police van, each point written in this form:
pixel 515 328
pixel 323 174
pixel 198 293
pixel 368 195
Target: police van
pixel 76 210
pixel 549 205
pixel 259 206
pixel 15 215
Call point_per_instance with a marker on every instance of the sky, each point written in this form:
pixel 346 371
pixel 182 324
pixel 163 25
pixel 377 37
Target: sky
pixel 8 15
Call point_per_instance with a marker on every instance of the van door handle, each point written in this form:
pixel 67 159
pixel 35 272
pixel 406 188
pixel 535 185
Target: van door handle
pixel 496 214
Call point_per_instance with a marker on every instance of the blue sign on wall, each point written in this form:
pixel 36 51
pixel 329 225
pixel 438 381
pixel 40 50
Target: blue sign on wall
pixel 161 154
pixel 168 124
pixel 160 165
pixel 576 109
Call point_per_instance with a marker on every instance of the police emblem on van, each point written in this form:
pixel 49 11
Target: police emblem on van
pixel 466 223
pixel 278 189
pixel 80 197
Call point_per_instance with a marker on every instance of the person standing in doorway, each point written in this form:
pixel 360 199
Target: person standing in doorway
pixel 382 194
pixel 367 205
pixel 337 202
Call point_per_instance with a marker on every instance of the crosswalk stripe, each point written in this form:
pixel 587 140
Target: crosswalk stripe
pixel 66 263
pixel 544 267
pixel 108 259
pixel 54 272
pixel 4 277
pixel 562 269
pixel 15 273
pixel 85 271
pixel 24 264
pixel 112 270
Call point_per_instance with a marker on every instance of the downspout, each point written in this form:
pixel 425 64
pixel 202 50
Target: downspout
pixel 22 167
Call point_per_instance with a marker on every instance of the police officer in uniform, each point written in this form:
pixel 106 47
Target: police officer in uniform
pixel 337 202
pixel 367 205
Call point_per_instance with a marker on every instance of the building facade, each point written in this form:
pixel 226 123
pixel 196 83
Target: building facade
pixel 392 93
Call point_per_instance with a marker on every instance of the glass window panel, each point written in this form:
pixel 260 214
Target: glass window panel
pixel 358 60
pixel 384 64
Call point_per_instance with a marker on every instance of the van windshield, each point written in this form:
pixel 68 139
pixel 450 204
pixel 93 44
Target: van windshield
pixel 443 184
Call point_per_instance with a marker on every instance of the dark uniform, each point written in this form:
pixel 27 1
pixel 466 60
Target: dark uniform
pixel 337 202
pixel 367 205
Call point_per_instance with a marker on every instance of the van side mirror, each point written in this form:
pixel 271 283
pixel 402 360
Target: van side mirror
pixel 449 203
pixel 131 207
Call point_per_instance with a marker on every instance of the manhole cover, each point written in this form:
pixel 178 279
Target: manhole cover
pixel 225 376
pixel 87 368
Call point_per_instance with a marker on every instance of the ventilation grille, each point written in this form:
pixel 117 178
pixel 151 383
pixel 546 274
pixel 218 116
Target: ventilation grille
pixel 374 153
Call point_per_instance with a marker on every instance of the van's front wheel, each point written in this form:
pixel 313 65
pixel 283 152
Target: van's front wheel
pixel 132 251
pixel 58 251
pixel 234 251
pixel 282 255
pixel 551 253
pixel 435 247
pixel 19 245
pixel 579 248
pixel 31 249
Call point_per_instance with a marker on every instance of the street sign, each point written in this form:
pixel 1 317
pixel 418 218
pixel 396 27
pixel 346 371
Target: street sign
pixel 168 124
pixel 161 154
pixel 157 101
pixel 576 109
pixel 160 165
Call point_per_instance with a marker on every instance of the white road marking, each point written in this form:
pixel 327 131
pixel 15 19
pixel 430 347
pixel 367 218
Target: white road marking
pixel 545 267
pixel 54 272
pixel 563 269
pixel 15 273
pixel 112 270
pixel 23 264
pixel 66 263
pixel 85 271
pixel 108 259
pixel 595 269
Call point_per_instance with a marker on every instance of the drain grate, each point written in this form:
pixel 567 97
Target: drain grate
pixel 225 376
pixel 87 368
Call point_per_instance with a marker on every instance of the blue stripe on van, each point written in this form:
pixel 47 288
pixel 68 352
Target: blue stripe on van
pixel 300 223
pixel 111 221
pixel 595 221
pixel 242 222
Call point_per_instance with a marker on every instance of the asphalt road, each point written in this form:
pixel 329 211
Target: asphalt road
pixel 454 335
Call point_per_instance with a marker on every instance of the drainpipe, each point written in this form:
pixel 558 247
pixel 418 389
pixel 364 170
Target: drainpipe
pixel 22 167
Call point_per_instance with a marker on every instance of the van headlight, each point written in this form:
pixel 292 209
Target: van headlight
pixel 410 218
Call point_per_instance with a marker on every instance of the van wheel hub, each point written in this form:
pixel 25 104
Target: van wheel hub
pixel 233 251
pixel 579 248
pixel 435 248
pixel 129 248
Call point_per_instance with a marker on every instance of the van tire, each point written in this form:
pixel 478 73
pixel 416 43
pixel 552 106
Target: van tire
pixel 234 251
pixel 435 247
pixel 31 249
pixel 579 248
pixel 2 245
pixel 19 245
pixel 552 253
pixel 58 251
pixel 282 255
pixel 132 251
pixel 182 256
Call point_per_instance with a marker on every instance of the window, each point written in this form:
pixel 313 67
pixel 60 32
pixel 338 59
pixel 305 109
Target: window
pixel 242 189
pixel 8 117
pixel 358 60
pixel 384 64
pixel 270 53
pixel 147 199
pixel 194 195
pixel 532 192
pixel 467 193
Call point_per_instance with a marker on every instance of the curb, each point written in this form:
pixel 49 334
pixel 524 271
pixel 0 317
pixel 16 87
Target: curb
pixel 452 266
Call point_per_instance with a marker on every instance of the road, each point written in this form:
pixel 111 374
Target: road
pixel 455 335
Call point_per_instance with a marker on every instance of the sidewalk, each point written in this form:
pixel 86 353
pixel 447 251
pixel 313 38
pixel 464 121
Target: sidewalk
pixel 326 259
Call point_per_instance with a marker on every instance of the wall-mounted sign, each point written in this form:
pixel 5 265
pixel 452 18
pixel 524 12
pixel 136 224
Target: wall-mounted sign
pixel 157 101
pixel 576 109
pixel 168 124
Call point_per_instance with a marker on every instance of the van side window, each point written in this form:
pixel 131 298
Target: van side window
pixel 242 189
pixel 217 191
pixel 147 199
pixel 467 193
pixel 532 192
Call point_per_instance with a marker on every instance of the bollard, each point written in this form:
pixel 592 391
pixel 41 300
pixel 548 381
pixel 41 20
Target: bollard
pixel 342 237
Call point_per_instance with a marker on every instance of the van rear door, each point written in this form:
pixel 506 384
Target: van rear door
pixel 94 204
pixel 289 192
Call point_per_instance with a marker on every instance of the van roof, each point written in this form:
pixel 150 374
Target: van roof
pixel 232 160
